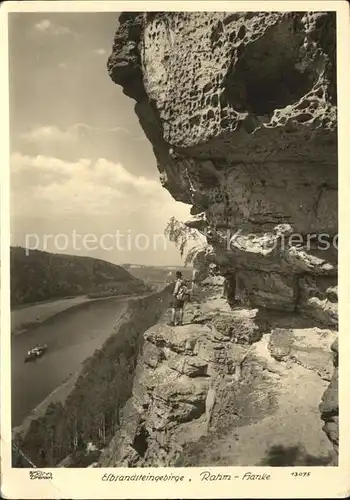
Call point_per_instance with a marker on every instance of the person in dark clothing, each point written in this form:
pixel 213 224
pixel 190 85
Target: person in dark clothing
pixel 180 296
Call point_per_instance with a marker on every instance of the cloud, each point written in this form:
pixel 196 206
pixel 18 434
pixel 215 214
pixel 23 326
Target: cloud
pixel 82 126
pixel 48 27
pixel 100 52
pixel 42 184
pixel 141 138
pixel 53 134
pixel 115 143
pixel 50 133
pixel 50 196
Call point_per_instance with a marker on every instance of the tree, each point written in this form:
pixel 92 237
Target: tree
pixel 177 232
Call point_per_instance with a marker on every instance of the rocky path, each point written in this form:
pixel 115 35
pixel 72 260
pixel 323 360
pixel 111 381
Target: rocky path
pixel 229 387
pixel 277 419
pixel 291 435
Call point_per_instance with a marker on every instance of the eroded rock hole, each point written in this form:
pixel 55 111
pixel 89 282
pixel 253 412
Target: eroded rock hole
pixel 230 288
pixel 266 75
pixel 140 443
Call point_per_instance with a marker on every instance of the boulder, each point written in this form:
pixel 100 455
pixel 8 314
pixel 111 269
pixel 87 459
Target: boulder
pixel 180 339
pixel 192 366
pixel 281 343
pixel 329 406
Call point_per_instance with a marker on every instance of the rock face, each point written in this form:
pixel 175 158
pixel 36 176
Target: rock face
pixel 197 382
pixel 330 406
pixel 240 109
pixel 241 112
pixel 180 373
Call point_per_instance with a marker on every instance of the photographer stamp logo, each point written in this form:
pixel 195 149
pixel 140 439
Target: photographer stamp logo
pixel 39 474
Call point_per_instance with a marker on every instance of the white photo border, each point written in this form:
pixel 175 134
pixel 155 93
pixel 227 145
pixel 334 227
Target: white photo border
pixel 324 482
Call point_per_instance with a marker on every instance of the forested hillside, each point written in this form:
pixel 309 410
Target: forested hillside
pixel 38 276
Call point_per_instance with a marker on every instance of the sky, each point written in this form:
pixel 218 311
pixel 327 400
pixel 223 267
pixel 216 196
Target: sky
pixel 83 175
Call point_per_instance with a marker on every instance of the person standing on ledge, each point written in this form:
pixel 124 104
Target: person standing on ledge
pixel 180 295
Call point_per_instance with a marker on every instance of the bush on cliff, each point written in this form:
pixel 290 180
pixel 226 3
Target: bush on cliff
pixel 183 236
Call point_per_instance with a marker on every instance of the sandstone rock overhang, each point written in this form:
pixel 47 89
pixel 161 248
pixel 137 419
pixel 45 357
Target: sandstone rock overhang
pixel 241 111
pixel 228 88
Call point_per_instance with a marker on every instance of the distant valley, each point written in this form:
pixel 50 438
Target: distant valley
pixel 157 276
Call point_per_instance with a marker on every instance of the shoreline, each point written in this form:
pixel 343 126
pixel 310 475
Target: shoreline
pixel 55 307
pixel 58 395
pixel 19 307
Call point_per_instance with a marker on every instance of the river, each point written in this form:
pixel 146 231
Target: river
pixel 71 336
